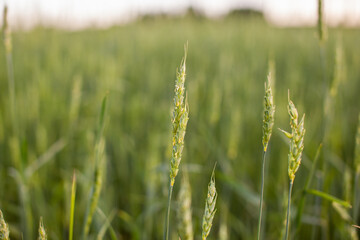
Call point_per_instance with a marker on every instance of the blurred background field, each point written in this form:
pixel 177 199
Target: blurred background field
pixel 61 77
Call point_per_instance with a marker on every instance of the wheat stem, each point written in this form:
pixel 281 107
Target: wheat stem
pixel 167 221
pixel 288 210
pixel 262 193
pixel 357 173
pixel 98 171
pixel 72 208
pixel 10 71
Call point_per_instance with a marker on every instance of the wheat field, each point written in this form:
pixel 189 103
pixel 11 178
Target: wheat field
pixel 65 81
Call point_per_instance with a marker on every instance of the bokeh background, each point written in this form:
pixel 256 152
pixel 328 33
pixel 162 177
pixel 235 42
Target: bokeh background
pixel 67 55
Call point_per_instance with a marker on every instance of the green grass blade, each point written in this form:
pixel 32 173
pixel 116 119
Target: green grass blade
pixel 106 225
pixel 328 197
pixel 46 157
pixel 102 117
pixel 307 185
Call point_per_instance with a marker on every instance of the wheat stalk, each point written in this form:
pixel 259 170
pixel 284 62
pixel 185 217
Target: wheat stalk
pixel 7 32
pixel 320 24
pixel 184 210
pixel 72 206
pixel 357 148
pixel 4 228
pixel 296 148
pixel 357 172
pixel 209 207
pixel 268 123
pixel 179 122
pixel 10 71
pixel 98 171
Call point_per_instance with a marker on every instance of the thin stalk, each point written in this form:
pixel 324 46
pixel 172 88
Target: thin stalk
pixel 167 218
pixel 356 198
pixel 288 211
pixel 325 121
pixel 72 208
pixel 11 85
pixel 320 208
pixel 326 181
pixel 262 193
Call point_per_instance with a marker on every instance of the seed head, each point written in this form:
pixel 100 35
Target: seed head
pixel 179 120
pixel 4 228
pixel 269 112
pixel 42 232
pixel 296 140
pixel 209 207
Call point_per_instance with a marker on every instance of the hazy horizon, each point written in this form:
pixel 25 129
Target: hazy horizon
pixel 81 14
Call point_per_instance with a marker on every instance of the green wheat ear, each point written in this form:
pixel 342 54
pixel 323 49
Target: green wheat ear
pixel 296 139
pixel 209 207
pixel 42 232
pixel 296 148
pixel 4 228
pixel 268 123
pixel 179 119
pixel 269 112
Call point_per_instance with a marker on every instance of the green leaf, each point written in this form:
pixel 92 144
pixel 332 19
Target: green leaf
pixel 102 116
pixel 328 197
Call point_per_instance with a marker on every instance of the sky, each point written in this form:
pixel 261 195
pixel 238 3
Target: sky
pixel 83 13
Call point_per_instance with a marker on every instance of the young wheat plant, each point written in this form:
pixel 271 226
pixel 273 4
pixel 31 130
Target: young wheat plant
pixel 179 122
pixel 209 207
pixel 100 163
pixel 4 228
pixel 296 148
pixel 268 123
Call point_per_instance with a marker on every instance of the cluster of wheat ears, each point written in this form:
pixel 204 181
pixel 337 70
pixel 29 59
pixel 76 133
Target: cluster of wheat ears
pixel 179 122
